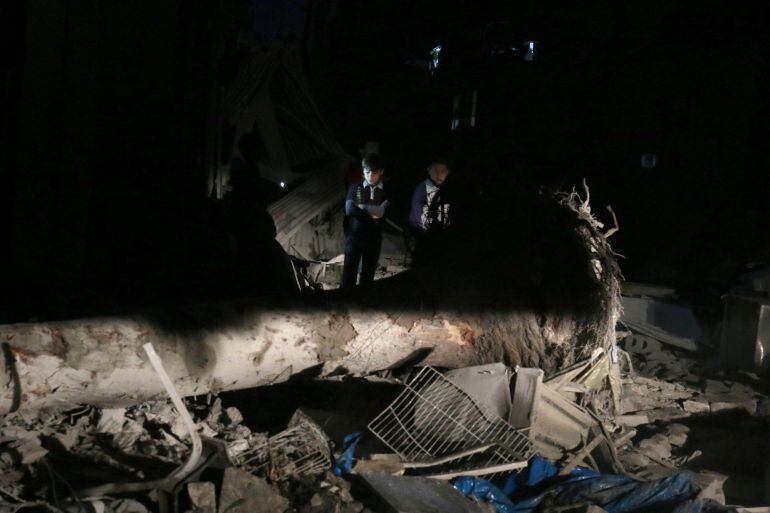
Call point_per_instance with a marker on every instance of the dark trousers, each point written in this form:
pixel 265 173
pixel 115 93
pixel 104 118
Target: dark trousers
pixel 427 246
pixel 363 249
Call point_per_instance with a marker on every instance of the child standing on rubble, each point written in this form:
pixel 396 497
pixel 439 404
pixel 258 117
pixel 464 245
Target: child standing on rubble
pixel 365 205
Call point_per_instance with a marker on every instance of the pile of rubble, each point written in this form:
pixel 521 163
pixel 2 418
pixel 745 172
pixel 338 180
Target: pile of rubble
pixel 656 423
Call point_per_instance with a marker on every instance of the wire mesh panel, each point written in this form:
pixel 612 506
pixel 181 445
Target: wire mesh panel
pixel 433 419
pixel 301 449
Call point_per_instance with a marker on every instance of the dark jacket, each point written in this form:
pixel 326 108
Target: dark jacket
pixel 429 208
pixel 359 221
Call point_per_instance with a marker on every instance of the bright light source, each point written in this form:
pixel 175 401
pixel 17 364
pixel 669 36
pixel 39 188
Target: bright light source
pixel 283 185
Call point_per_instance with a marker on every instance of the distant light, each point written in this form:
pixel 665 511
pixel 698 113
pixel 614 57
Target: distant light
pixel 283 185
pixel 532 50
pixel 435 58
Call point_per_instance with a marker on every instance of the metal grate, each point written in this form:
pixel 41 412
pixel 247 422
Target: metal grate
pixel 433 419
pixel 302 449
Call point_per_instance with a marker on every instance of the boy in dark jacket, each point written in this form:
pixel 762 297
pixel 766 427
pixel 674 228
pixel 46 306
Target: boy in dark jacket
pixel 365 205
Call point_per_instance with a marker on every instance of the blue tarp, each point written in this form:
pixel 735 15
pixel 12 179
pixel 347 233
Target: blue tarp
pixel 344 463
pixel 540 485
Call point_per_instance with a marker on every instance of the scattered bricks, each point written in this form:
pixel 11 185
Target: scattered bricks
pixel 31 451
pixel 749 405
pixel 203 498
pixel 666 414
pixel 69 438
pixel 740 388
pixel 245 493
pixel 345 495
pixel 632 420
pixel 316 501
pixel 635 460
pixel 657 447
pixel 711 485
pixel 677 434
pixel 237 447
pixel 111 420
pixel 696 407
pixel 711 386
pixel 233 417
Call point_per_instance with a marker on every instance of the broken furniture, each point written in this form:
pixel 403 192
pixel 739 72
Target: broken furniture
pixel 301 449
pixel 746 333
pixel 559 427
pixel 436 423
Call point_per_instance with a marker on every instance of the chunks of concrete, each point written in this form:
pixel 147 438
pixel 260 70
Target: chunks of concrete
pixel 245 493
pixel 632 420
pixel 657 447
pixel 728 403
pixel 203 497
pixel 233 416
pixel 711 485
pixel 677 434
pixel 712 386
pixel 696 406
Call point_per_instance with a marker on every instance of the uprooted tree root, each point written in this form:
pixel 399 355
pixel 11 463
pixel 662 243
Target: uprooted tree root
pixel 535 278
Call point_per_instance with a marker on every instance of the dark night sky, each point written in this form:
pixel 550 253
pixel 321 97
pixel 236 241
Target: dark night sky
pixel 105 110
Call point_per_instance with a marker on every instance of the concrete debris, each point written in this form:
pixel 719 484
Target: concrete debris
pixel 641 394
pixel 243 492
pixel 711 386
pixel 203 497
pixel 656 447
pixel 696 407
pixel 481 422
pixel 677 434
pixel 725 403
pixel 712 485
pixel 233 416
pixel 380 464
pixel 632 420
pixel 30 451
